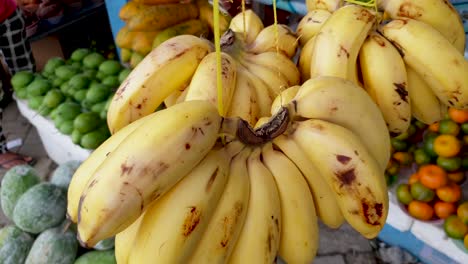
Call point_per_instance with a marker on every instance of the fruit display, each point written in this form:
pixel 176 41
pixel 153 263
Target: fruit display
pixel 386 53
pixel 38 232
pixel 249 151
pixel 150 23
pixel 74 94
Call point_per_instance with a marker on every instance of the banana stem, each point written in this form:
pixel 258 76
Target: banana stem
pixel 275 127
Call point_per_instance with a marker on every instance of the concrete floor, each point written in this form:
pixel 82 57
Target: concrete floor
pixel 341 246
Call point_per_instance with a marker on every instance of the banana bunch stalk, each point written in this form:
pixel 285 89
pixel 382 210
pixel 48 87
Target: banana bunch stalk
pixel 407 54
pixel 187 185
pixel 255 67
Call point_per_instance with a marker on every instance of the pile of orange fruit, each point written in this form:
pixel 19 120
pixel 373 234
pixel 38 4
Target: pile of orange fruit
pixel 434 191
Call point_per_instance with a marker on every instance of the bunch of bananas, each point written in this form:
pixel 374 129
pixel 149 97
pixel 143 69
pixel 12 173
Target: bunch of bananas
pixel 254 70
pixel 407 54
pixel 186 185
pixel 148 23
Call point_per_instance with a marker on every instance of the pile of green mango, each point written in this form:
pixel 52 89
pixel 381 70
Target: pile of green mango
pixel 74 93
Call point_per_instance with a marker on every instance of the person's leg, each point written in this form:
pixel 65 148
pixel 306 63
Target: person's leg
pixel 15 45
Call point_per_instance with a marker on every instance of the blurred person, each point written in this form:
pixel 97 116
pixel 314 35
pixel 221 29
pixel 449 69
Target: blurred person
pixel 15 55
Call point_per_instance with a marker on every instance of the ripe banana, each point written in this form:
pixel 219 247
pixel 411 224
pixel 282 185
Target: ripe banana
pixel 384 75
pixel 305 58
pixel 325 202
pixel 204 82
pixel 284 98
pixel 172 98
pixel 148 84
pixel 173 225
pixel 330 5
pixel 277 62
pixel 299 227
pixel 425 105
pixel 88 167
pixel 348 167
pixel 275 81
pixel 264 99
pixel 194 27
pixel 125 239
pixel 260 236
pixel 439 14
pixel 445 70
pixel 338 42
pixel 248 24
pixel 149 162
pixel 341 102
pixel 267 40
pixel 244 100
pixel 220 237
pixel 310 24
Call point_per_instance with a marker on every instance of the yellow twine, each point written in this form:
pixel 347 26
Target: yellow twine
pixel 219 82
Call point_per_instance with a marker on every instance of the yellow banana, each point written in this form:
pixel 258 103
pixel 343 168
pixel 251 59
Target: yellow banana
pixel 275 81
pixel 325 202
pixel 148 84
pixel 204 82
pixel 425 105
pixel 264 99
pixel 384 75
pixel 172 98
pixel 225 225
pixel 173 226
pixel 260 236
pixel 244 100
pixel 278 63
pixel 349 169
pixel 149 162
pixel 125 239
pixel 305 58
pixel 341 102
pixel 194 27
pixel 266 41
pixel 439 14
pixel 445 70
pixel 299 227
pixel 284 98
pixel 330 5
pixel 310 24
pixel 338 42
pixel 253 25
pixel 88 167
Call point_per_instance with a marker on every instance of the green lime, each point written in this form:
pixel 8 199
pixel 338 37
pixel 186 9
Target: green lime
pixel 53 98
pixel 58 121
pixel 93 60
pixel 21 79
pixel 403 194
pixel 68 110
pixel 44 110
pixel 464 128
pixel 76 137
pixel 99 107
pixel 399 145
pixel 38 87
pixel 21 93
pixel 97 93
pixel 448 126
pixel 93 139
pixel 100 75
pixel 80 95
pixel 110 67
pixel 65 72
pixel 125 54
pixel 454 227
pixel 421 157
pixel 35 102
pixel 52 64
pixel 79 54
pixel 124 74
pixel 449 164
pixel 429 147
pixel 79 82
pixel 66 127
pixel 86 122
pixel 90 74
pixel 111 81
pixel 421 192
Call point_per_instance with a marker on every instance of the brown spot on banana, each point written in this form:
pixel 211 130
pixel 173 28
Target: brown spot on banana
pixel 343 159
pixel 125 169
pixel 191 221
pixel 400 88
pixel 446 2
pixel 378 39
pixel 372 212
pixel 229 223
pixel 211 180
pixel 410 10
pixel 142 202
pixel 346 177
pixel 365 15
pixel 343 51
pixel 187 146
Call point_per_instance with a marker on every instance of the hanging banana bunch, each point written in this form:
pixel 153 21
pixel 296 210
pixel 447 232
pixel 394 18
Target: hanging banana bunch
pixel 184 68
pixel 407 54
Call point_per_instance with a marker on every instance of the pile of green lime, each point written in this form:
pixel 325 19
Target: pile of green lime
pixel 75 93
